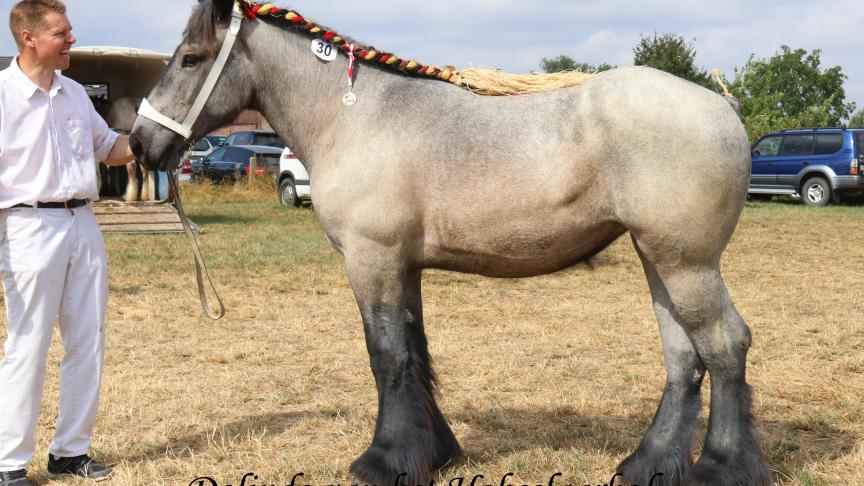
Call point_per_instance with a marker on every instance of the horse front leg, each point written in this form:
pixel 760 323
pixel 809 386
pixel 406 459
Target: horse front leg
pixel 411 438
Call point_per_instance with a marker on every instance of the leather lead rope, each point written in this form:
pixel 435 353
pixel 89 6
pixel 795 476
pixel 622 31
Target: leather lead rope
pixel 200 268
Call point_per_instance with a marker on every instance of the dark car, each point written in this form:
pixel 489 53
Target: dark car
pixel 266 138
pixel 205 145
pixel 229 163
pixel 815 164
pixel 202 147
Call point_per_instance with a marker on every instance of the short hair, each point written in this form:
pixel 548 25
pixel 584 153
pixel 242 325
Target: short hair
pixel 30 15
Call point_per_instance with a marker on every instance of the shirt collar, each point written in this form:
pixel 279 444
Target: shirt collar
pixel 27 87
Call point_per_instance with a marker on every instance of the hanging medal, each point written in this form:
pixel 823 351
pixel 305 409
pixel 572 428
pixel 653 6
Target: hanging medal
pixel 350 99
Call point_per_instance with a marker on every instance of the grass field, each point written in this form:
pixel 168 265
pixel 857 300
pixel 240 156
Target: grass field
pixel 554 373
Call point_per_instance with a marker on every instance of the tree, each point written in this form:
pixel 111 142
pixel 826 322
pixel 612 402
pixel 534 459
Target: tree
pixel 673 54
pixel 857 120
pixel 790 90
pixel 566 63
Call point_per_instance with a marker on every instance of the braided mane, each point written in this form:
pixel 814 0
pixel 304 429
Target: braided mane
pixel 479 81
pixel 365 53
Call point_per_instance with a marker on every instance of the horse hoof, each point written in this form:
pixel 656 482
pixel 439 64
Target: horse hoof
pixel 663 468
pixel 379 467
pixel 741 470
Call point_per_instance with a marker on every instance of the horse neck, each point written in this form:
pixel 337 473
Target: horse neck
pixel 300 95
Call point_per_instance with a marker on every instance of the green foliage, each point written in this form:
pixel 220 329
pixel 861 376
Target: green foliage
pixel 566 63
pixel 857 120
pixel 673 54
pixel 790 90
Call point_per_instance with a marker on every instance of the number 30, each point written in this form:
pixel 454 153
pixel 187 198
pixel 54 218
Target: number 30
pixel 325 49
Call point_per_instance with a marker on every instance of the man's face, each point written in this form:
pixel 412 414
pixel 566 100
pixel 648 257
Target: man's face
pixel 52 40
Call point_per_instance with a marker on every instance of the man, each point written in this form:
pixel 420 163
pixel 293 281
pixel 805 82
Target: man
pixel 52 258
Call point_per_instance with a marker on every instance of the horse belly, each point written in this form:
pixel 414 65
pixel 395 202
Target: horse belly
pixel 517 248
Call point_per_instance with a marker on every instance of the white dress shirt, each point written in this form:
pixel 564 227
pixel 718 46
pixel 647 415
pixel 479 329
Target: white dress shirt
pixel 49 142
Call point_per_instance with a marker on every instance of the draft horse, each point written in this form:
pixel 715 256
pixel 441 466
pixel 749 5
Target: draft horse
pixel 121 116
pixel 421 173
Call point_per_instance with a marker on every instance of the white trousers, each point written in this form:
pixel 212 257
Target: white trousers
pixel 54 269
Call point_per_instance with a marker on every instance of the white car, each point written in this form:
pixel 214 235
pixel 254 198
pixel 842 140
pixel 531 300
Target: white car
pixel 293 180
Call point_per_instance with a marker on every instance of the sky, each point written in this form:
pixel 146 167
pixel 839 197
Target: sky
pixel 515 35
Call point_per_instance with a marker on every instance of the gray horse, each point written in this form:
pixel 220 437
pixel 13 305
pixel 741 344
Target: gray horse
pixel 423 174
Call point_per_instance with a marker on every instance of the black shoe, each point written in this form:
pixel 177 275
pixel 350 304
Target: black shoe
pixel 82 466
pixel 14 478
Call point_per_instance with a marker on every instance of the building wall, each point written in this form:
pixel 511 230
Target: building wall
pixel 247 120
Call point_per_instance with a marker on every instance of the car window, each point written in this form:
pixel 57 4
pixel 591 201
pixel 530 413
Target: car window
pixel 236 154
pixel 859 143
pixel 268 139
pixel 768 146
pixel 216 155
pixel 268 159
pixel 828 143
pixel 202 145
pixel 797 145
pixel 238 138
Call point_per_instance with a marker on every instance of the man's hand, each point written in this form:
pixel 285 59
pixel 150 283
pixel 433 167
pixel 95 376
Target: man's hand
pixel 121 153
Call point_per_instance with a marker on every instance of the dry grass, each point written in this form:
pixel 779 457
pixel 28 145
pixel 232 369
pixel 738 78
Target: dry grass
pixel 492 82
pixel 555 373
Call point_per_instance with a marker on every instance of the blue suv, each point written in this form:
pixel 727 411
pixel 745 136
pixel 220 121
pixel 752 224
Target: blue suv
pixel 817 165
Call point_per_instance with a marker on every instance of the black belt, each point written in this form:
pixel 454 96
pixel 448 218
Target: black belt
pixel 70 204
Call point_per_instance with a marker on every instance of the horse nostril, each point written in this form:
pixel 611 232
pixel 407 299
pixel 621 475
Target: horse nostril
pixel 136 147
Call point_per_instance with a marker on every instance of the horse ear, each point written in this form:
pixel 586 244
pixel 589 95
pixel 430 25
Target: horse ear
pixel 223 8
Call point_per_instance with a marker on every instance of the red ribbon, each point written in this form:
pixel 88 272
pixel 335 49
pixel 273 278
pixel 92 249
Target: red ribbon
pixel 250 10
pixel 351 48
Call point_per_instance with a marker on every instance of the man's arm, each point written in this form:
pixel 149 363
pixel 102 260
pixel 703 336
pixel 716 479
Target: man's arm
pixel 121 153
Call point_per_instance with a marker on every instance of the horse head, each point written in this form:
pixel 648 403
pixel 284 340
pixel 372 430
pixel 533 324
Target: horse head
pixel 204 86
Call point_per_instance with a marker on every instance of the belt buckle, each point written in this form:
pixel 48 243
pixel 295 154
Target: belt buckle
pixel 69 203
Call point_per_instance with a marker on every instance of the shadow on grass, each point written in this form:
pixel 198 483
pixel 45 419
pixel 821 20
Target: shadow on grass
pixel 205 219
pixel 790 447
pixel 790 201
pixel 203 440
pixel 509 430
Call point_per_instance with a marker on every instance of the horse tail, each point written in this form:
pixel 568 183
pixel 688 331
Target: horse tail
pixel 736 105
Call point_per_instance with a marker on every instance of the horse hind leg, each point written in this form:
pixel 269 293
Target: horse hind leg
pixel 731 455
pixel 411 436
pixel 667 445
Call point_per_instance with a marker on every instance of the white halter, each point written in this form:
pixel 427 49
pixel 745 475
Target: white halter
pixel 185 129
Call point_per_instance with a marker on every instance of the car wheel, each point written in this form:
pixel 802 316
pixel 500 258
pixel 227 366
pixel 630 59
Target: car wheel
pixel 816 192
pixel 288 193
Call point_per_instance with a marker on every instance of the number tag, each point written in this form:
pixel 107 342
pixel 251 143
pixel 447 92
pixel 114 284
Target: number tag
pixel 324 50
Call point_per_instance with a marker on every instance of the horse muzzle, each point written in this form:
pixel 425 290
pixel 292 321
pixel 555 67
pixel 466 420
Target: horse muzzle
pixel 155 149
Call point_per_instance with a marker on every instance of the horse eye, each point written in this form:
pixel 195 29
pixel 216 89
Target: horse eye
pixel 191 60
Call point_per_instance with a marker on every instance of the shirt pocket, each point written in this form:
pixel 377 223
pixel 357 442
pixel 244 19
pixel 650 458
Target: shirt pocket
pixel 78 137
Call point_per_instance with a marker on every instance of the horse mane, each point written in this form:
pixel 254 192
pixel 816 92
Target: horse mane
pixel 490 82
pixel 201 29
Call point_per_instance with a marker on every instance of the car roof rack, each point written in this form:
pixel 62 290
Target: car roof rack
pixel 811 130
